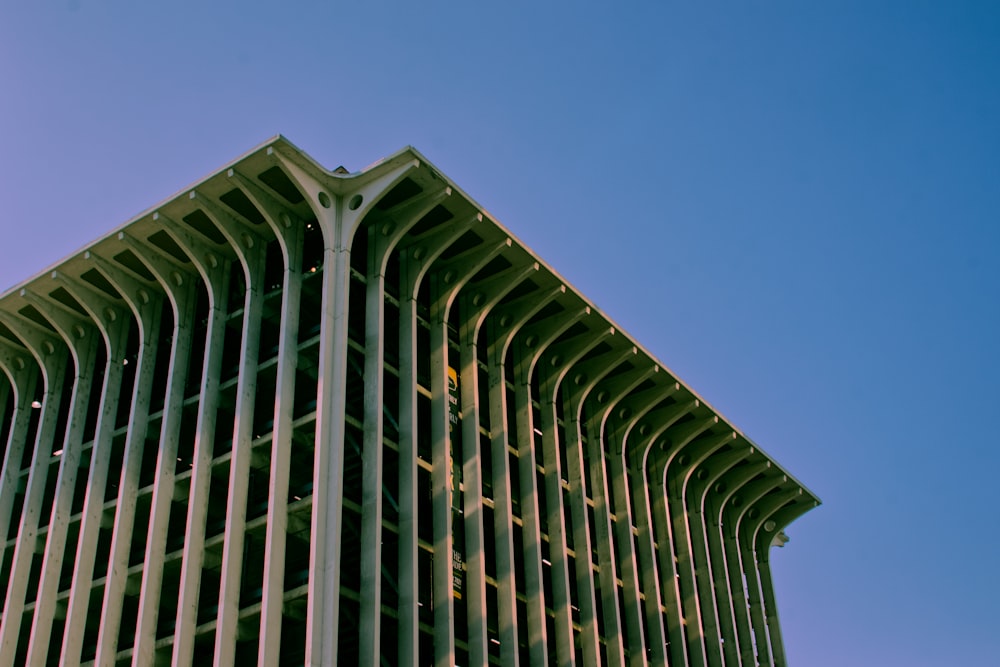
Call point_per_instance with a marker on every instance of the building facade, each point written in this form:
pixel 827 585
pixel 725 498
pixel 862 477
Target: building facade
pixel 293 416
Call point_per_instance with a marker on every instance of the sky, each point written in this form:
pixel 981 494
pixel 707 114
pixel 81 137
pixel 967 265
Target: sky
pixel 794 205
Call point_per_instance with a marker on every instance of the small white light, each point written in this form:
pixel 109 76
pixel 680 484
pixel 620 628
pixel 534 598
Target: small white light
pixel 58 452
pixel 125 362
pixel 36 404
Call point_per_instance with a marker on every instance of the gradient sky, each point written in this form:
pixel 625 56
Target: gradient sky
pixel 794 205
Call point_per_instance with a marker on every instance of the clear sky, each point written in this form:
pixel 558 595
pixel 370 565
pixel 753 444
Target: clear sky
pixel 794 205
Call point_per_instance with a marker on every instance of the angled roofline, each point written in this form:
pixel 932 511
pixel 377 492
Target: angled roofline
pixel 340 183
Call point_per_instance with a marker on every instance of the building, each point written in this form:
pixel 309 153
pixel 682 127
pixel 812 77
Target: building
pixel 296 416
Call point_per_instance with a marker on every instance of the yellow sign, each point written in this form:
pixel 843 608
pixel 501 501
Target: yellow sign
pixel 452 396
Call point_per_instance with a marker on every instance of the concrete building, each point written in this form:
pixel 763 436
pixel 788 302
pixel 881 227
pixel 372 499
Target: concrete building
pixel 295 416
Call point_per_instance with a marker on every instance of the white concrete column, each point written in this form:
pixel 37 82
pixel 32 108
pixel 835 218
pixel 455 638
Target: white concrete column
pixel 23 373
pixel 631 419
pixel 729 588
pixel 646 561
pixel 441 482
pixel 554 367
pixel 288 231
pixel 326 523
pixel 415 260
pixel 502 326
pixel 584 376
pixel 738 507
pixel 770 613
pixel 683 474
pixel 656 456
pixel 213 268
pixel 272 598
pixel 384 233
pixel 477 300
pixel 447 280
pixel 180 288
pixel 607 400
pixel 6 391
pixel 113 322
pixel 680 437
pixel 81 339
pixel 707 560
pixel 781 518
pixel 407 627
pixel 339 210
pixel 761 523
pixel 145 301
pixel 531 343
pixel 51 356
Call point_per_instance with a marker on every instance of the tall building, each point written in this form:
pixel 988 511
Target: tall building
pixel 296 416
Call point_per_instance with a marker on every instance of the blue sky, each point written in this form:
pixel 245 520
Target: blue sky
pixel 793 205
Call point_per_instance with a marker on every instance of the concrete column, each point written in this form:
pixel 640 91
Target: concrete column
pixel 338 213
pixel 697 597
pixel 655 458
pixel 605 401
pixel 729 589
pixel 739 505
pixel 272 598
pixel 324 559
pixel 477 301
pixel 761 523
pixel 680 437
pixel 416 259
pixel 646 560
pixel 781 518
pixel 584 376
pixel 502 326
pixel 447 280
pixel 707 560
pixel 24 374
pixel 408 628
pixel 667 565
pixel 770 612
pixel 441 482
pixel 531 343
pixel 214 271
pixel 81 339
pixel 145 301
pixel 384 233
pixel 181 290
pixel 623 423
pixel 288 231
pixel 51 356
pixel 6 391
pixel 113 323
pixel 554 367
